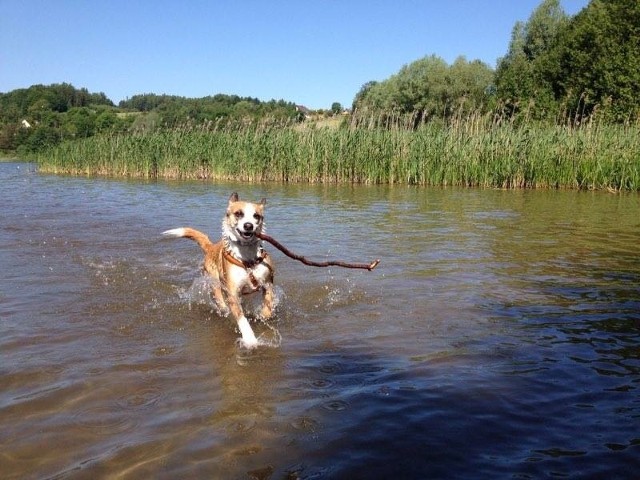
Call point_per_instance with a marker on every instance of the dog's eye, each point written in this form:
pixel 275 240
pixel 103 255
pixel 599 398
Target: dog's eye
pixel 238 214
pixel 257 216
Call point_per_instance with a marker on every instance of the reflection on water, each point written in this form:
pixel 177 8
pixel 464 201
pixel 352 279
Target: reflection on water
pixel 499 337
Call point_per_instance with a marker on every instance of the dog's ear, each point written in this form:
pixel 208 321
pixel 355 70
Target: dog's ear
pixel 263 201
pixel 233 197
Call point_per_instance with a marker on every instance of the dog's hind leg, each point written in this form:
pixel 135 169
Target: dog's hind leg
pixel 219 299
pixel 268 300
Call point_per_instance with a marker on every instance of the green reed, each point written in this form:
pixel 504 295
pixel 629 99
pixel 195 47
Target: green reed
pixel 477 151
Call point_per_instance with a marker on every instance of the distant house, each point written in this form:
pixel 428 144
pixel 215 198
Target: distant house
pixel 25 124
pixel 304 111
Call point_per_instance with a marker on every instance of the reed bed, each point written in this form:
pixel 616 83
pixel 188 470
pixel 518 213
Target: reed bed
pixel 475 152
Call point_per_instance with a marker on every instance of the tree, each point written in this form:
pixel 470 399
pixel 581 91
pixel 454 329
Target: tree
pixel 429 87
pixel 514 79
pixel 543 27
pixel 360 99
pixel 336 108
pixel 39 138
pixel 38 109
pixel 520 81
pixel 9 137
pixel 569 68
pixel 596 62
pixel 79 122
pixel 106 120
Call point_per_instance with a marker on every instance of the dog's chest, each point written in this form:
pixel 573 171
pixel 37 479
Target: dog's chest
pixel 249 280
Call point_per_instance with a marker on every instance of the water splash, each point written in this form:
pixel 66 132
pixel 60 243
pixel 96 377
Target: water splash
pixel 270 338
pixel 199 293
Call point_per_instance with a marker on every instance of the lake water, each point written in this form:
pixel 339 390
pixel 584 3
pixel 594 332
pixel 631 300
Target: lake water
pixel 498 338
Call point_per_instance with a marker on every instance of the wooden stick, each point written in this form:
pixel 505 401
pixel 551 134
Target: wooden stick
pixel 300 258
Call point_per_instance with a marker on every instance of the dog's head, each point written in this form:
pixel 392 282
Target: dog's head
pixel 243 219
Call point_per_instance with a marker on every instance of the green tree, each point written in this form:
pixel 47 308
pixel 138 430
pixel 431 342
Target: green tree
pixel 9 137
pixel 39 138
pixel 105 121
pixel 430 87
pixel 79 122
pixel 514 79
pixel 543 27
pixel 361 100
pixel 38 110
pixel 596 62
pixel 522 82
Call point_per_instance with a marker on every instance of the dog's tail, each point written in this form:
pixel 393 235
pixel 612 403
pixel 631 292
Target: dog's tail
pixel 191 233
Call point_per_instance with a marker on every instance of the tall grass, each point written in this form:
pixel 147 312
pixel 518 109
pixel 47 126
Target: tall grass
pixel 475 151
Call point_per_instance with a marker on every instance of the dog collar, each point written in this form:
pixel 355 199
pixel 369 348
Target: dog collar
pixel 242 263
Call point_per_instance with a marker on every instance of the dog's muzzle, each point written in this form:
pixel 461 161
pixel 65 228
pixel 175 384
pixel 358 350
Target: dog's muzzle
pixel 247 231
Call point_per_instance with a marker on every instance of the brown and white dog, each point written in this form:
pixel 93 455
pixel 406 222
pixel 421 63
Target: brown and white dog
pixel 237 263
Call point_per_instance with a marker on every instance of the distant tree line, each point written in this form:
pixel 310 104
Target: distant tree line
pixel 40 116
pixel 173 111
pixel 557 68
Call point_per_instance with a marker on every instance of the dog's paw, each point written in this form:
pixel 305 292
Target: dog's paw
pixel 249 344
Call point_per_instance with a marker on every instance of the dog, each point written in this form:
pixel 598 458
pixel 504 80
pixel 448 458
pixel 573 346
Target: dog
pixel 237 263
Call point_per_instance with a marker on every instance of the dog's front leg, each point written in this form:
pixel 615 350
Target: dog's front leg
pixel 248 337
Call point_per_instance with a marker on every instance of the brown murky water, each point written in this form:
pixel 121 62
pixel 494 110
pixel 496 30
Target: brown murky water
pixel 499 337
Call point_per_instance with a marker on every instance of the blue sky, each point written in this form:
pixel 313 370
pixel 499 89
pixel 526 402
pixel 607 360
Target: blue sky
pixel 309 52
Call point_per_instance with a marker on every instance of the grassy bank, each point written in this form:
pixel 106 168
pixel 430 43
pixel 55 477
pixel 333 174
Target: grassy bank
pixel 470 153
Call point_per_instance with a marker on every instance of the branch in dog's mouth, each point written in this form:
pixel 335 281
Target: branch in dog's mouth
pixel 300 258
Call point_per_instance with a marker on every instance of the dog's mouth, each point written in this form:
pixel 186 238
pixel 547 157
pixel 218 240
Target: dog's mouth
pixel 245 235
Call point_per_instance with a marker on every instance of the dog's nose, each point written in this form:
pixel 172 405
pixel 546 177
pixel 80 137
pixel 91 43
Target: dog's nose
pixel 248 226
